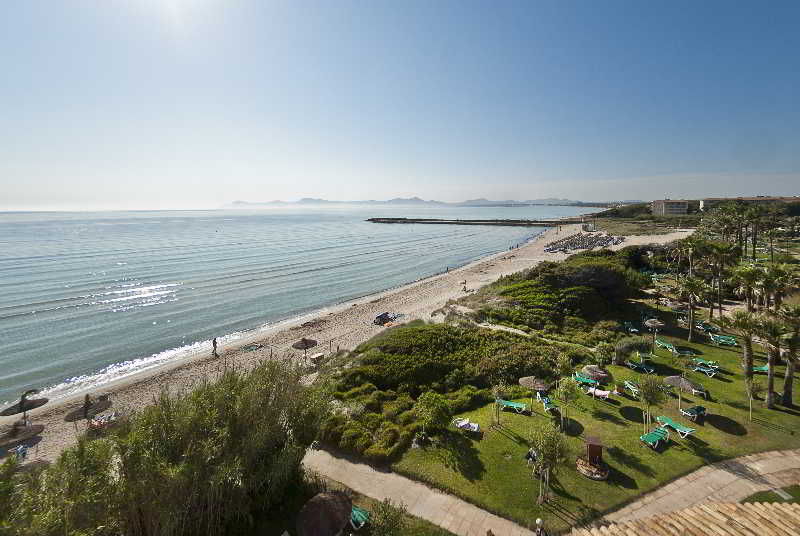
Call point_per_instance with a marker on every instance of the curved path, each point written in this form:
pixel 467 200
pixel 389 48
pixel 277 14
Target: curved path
pixel 446 511
pixel 726 481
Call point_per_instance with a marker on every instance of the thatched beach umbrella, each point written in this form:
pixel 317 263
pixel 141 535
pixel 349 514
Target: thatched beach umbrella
pixel 534 384
pixel 596 373
pixel 304 344
pixel 326 514
pixel 682 383
pixel 20 431
pixel 653 324
pixel 25 404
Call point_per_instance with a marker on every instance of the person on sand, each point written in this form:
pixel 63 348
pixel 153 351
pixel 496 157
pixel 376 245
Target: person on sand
pixel 214 347
pixel 87 405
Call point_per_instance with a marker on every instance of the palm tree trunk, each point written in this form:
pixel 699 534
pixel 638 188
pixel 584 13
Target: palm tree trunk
pixel 719 293
pixel 770 379
pixel 747 357
pixel 691 318
pixel 788 382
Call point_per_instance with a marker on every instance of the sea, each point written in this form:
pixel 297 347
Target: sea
pixel 87 298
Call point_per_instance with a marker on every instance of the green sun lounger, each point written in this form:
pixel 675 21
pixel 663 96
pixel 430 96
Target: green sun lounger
pixel 708 371
pixel 655 438
pixel 640 367
pixel 694 413
pixel 683 351
pixel 682 430
pixel 358 517
pixel 632 387
pixel 584 380
pixel 709 364
pixel 519 407
pixel 668 345
pixel 762 368
pixel 705 326
pixel 722 340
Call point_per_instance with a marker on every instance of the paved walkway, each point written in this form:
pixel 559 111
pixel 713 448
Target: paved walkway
pixel 727 481
pixel 446 511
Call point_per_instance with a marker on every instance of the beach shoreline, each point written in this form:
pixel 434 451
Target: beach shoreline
pixel 343 326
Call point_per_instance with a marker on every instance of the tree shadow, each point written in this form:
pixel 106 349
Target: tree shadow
pixel 662 369
pixel 572 427
pixel 726 424
pixel 632 414
pixel 618 478
pixel 629 459
pixel 510 434
pixel 458 453
pixel 559 489
pixel 702 449
pixel 602 415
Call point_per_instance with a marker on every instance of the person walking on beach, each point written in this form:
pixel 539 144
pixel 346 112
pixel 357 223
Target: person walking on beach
pixel 214 347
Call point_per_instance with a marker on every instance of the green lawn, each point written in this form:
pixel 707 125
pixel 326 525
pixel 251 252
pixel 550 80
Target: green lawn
pixel 771 496
pixel 491 472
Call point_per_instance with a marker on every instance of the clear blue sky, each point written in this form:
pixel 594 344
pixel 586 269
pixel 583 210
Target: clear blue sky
pixel 195 103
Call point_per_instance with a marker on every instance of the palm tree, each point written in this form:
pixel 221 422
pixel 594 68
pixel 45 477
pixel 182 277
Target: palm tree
pixel 771 331
pixel 651 395
pixel 746 279
pixel 744 324
pixel 772 234
pixel 790 314
pixel 765 288
pixel 721 255
pixel 691 289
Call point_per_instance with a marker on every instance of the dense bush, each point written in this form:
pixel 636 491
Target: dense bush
pixel 205 462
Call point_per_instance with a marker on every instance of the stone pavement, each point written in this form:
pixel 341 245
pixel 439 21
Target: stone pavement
pixel 726 481
pixel 446 511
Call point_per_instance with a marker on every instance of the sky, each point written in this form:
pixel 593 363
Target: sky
pixel 148 104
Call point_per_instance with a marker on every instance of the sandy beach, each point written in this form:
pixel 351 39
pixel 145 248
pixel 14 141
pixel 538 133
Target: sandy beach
pixel 340 327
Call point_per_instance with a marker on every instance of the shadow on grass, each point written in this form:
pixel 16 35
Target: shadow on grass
pixel 629 459
pixel 602 415
pixel 572 427
pixel 662 369
pixel 618 478
pixel 458 453
pixel 702 449
pixel 510 434
pixel 726 424
pixel 632 413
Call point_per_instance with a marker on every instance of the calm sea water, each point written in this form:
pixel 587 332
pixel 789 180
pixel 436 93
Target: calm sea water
pixel 86 298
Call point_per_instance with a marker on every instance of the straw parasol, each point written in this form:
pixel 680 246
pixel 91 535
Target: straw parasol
pixel 304 344
pixel 25 404
pixel 682 383
pixel 653 324
pixel 596 373
pixel 534 384
pixel 19 432
pixel 326 514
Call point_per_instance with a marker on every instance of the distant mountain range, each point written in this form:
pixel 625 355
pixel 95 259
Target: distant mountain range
pixel 416 201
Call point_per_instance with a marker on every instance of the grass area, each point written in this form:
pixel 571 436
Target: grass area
pixel 619 226
pixel 770 496
pixel 490 471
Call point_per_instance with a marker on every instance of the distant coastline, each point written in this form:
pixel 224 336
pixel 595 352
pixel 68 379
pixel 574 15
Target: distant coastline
pixel 417 202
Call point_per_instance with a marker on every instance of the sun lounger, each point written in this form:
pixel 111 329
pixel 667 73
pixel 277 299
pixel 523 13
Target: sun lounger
pixel 465 424
pixel 682 430
pixel 519 407
pixel 584 380
pixel 705 326
pixel 664 344
pixel 694 413
pixel 599 393
pixel 655 438
pixel 722 340
pixel 632 387
pixel 683 351
pixel 709 364
pixel 630 328
pixel 763 368
pixel 708 371
pixel 640 367
pixel 644 357
pixel 358 517
pixel 547 404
